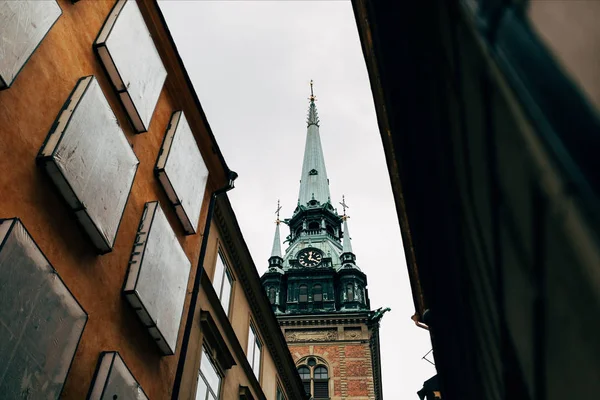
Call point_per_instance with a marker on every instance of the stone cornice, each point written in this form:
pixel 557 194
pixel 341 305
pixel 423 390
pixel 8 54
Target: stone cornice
pixel 324 319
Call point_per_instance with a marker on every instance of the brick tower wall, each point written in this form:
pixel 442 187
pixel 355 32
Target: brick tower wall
pixel 346 352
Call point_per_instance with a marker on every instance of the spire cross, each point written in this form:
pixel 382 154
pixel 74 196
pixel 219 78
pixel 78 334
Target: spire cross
pixel 312 96
pixel 277 212
pixel 344 206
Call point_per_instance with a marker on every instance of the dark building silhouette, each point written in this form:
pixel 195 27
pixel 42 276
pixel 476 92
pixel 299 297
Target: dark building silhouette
pixel 488 113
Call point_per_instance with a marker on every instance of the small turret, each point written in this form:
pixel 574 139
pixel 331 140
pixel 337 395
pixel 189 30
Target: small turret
pixel 347 257
pixel 276 260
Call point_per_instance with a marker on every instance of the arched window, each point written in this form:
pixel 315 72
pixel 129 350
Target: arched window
pixel 330 230
pixel 350 292
pixel 272 295
pixel 317 293
pixel 305 376
pixel 302 295
pixel 314 225
pixel 315 379
pixel 321 383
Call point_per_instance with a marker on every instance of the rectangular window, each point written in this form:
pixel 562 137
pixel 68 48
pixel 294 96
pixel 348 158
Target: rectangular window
pixel 303 294
pixel 317 293
pixel 157 278
pixel 254 351
pixel 41 322
pixel 182 172
pixel 209 380
pixel 222 283
pixel 280 395
pixel 24 24
pixel 127 52
pixel 90 161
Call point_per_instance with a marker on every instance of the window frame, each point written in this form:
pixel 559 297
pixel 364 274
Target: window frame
pixel 279 393
pixel 304 380
pixel 316 380
pixel 212 364
pixel 256 343
pixel 300 299
pixel 312 380
pixel 226 274
pixel 350 295
pixel 319 293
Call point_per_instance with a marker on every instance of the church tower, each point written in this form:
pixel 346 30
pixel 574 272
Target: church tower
pixel 318 292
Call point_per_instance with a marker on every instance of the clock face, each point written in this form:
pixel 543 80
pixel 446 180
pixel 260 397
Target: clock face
pixel 310 257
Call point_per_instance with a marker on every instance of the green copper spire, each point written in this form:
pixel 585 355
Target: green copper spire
pixel 347 240
pixel 276 251
pixel 276 260
pixel 347 245
pixel 314 184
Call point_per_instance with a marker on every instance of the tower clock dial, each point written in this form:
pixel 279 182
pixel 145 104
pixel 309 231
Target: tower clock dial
pixel 310 257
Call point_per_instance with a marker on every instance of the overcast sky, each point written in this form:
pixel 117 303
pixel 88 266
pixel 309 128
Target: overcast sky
pixel 251 63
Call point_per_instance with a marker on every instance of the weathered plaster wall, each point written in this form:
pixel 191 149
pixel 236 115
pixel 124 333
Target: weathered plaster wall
pixel 240 315
pixel 27 110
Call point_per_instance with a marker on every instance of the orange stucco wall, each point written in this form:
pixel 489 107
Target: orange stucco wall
pixel 27 110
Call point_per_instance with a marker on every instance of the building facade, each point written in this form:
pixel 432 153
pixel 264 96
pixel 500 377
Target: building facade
pixel 488 114
pixel 318 292
pixel 123 273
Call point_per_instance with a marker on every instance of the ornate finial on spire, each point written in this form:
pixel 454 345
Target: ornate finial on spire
pixel 313 117
pixel 277 221
pixel 344 206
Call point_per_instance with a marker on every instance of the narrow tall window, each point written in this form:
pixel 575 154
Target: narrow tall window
pixel 305 376
pixel 222 283
pixel 315 379
pixel 254 352
pixel 272 295
pixel 303 294
pixel 350 292
pixel 318 296
pixel 330 230
pixel 209 380
pixel 317 292
pixel 321 383
pixel 280 395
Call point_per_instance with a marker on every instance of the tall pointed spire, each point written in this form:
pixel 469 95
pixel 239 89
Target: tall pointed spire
pixel 347 240
pixel 347 255
pixel 276 259
pixel 276 252
pixel 314 184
